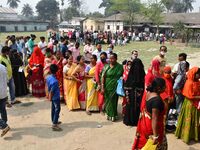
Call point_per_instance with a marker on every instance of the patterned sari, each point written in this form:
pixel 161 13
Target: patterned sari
pixel 82 88
pixel 92 95
pixel 36 64
pixel 70 90
pixel 188 121
pixel 111 76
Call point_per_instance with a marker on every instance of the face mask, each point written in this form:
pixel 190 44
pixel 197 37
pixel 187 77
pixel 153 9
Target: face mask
pixel 48 54
pixel 162 53
pixel 103 60
pixel 110 49
pixel 167 75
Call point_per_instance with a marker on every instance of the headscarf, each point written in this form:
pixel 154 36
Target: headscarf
pixel 136 75
pixel 126 71
pixel 37 57
pixel 191 87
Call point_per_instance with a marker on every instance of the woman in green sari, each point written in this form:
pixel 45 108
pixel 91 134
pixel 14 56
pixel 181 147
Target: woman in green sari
pixel 110 75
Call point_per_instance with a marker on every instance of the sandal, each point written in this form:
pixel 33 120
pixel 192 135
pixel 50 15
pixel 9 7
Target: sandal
pixel 5 130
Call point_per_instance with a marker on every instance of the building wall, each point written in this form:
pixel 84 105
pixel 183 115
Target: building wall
pixel 113 26
pixel 92 25
pixel 21 27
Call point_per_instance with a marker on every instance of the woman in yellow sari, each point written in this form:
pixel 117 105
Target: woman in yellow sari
pixel 92 96
pixel 70 85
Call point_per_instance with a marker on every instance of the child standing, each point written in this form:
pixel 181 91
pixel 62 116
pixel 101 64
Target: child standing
pixel 54 97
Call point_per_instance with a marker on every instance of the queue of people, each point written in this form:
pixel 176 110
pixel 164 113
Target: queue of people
pixel 90 81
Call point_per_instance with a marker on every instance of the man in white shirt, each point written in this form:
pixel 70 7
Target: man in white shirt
pixel 3 97
pixel 88 49
pixel 98 52
pixel 42 44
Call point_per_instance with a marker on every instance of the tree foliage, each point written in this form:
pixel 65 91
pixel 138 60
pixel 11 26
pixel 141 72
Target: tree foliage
pixel 48 10
pixel 168 4
pixel 76 4
pixel 107 5
pixel 69 13
pixel 129 7
pixel 153 11
pixel 95 14
pixel 13 3
pixel 27 11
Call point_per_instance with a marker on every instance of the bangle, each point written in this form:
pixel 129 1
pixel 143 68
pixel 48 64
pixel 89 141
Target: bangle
pixel 155 137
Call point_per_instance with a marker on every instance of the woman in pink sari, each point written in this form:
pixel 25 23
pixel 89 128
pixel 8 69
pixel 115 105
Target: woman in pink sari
pixel 79 76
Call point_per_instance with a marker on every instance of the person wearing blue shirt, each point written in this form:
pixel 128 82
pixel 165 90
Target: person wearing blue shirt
pixel 54 97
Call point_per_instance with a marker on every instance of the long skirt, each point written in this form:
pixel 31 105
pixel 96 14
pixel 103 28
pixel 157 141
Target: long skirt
pixel 188 122
pixel 38 85
pixel 20 83
pixel 132 107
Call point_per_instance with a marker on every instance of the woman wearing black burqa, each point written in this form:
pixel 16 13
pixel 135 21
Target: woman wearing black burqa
pixel 18 74
pixel 134 87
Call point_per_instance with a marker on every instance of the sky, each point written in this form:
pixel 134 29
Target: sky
pixel 88 6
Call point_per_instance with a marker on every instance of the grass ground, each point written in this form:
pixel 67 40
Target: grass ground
pixel 147 50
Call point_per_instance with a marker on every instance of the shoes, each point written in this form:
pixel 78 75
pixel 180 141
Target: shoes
pixel 9 105
pixel 15 102
pixel 56 128
pixel 5 130
pixel 59 122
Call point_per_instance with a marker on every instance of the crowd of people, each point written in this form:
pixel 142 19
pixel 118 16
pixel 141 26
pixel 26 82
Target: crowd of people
pixel 159 101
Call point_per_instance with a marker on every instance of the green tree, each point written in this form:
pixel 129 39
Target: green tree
pixel 27 11
pixel 48 10
pixel 153 11
pixel 13 3
pixel 95 14
pixel 183 6
pixel 70 12
pixel 107 5
pixel 129 7
pixel 182 32
pixel 188 5
pixel 168 4
pixel 75 4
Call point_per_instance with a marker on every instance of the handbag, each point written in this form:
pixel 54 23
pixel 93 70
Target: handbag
pixel 149 145
pixel 120 89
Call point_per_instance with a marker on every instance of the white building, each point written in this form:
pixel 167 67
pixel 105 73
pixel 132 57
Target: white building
pixel 114 23
pixel 73 24
pixel 10 21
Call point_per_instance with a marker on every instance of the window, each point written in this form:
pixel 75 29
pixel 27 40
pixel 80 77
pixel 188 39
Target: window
pixel 25 28
pixel 108 27
pixel 35 28
pixel 91 28
pixel 117 27
pixel 2 29
pixel 16 28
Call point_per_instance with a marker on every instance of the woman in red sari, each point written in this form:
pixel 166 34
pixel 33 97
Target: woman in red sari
pixel 59 75
pixel 151 122
pixel 153 72
pixel 36 64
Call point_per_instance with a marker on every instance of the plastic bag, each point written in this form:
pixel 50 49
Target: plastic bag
pixel 120 89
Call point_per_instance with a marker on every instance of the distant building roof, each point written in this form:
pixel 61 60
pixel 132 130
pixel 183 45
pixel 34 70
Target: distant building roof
pixel 168 18
pixel 96 19
pixel 7 10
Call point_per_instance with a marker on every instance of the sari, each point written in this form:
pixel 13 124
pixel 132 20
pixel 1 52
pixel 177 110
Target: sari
pixel 144 130
pixel 70 89
pixel 98 73
pixel 36 64
pixel 92 96
pixel 188 121
pixel 59 75
pixel 111 76
pixel 81 88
